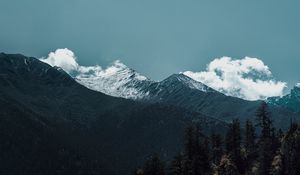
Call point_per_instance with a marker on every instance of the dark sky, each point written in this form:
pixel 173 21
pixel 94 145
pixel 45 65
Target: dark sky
pixel 157 37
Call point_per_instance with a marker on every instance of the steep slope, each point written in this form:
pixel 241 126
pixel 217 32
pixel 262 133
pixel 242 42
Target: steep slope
pixel 181 91
pixel 120 81
pixel 290 101
pixel 117 80
pixel 50 124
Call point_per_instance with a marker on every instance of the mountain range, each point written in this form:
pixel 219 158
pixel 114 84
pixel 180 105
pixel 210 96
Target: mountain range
pixel 50 124
pixel 182 91
pixel 55 123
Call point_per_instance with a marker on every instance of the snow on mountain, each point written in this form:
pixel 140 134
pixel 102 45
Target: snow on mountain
pixel 181 79
pixel 117 80
pixel 176 86
pixel 120 81
pixel 290 101
pixel 247 78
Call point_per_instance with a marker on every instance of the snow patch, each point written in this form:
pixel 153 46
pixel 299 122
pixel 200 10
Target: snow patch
pixel 116 80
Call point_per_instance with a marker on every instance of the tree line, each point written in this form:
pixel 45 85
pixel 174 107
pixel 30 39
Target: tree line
pixel 256 148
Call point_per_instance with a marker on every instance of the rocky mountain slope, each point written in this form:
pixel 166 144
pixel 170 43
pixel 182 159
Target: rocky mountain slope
pixel 290 101
pixel 181 91
pixel 50 124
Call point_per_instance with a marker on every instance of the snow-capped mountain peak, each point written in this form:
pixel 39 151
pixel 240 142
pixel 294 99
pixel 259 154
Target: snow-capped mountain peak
pixel 116 80
pixel 120 81
pixel 187 81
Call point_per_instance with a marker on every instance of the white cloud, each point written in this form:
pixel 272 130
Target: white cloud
pixel 66 59
pixel 247 78
pixel 111 80
pixel 63 58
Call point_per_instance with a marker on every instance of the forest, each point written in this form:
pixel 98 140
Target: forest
pixel 257 148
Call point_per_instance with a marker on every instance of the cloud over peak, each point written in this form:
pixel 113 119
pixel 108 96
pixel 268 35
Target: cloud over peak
pixel 66 59
pixel 247 78
pixel 63 58
pixel 92 76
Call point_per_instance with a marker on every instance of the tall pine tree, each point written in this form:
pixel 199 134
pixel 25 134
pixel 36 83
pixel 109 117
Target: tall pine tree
pixel 233 144
pixel 266 149
pixel 227 167
pixel 291 150
pixel 154 166
pixel 177 165
pixel 249 145
pixel 216 148
pixel 196 154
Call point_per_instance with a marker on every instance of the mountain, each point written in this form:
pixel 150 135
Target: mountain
pixel 121 81
pixel 175 83
pixel 290 101
pixel 50 124
pixel 181 91
pixel 117 80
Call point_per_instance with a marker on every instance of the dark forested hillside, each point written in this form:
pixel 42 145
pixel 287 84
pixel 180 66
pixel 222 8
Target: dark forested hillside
pixel 50 124
pixel 254 148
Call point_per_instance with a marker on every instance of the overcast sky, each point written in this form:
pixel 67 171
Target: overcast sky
pixel 157 37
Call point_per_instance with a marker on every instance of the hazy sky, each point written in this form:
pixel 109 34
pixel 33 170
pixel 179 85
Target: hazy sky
pixel 157 37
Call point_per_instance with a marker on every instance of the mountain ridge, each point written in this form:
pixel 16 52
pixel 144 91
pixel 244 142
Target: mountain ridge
pixel 290 101
pixel 182 91
pixel 57 125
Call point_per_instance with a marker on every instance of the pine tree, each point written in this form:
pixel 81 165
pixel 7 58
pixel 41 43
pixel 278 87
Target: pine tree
pixel 227 167
pixel 202 157
pixel 138 171
pixel 264 120
pixel 277 167
pixel 291 150
pixel 190 142
pixel 275 140
pixel 216 148
pixel 266 149
pixel 189 150
pixel 233 144
pixel 177 165
pixel 280 134
pixel 196 154
pixel 249 145
pixel 154 166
